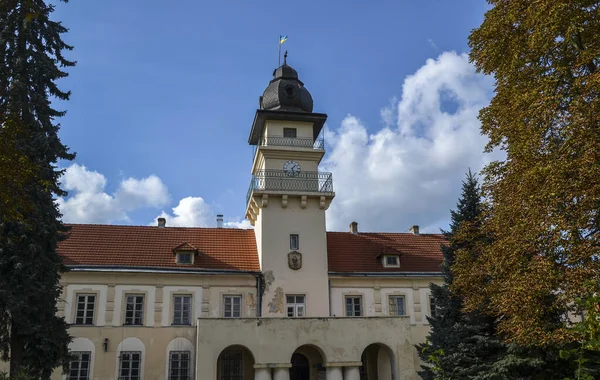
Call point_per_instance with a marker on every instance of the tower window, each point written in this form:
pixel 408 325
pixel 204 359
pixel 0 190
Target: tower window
pixel 294 242
pixel 289 132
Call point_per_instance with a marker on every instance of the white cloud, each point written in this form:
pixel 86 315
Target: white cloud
pixel 410 171
pixel 89 203
pixel 195 212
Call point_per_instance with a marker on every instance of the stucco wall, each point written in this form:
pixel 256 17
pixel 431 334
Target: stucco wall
pixel 273 341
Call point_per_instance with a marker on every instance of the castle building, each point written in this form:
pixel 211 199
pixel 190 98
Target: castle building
pixel 286 300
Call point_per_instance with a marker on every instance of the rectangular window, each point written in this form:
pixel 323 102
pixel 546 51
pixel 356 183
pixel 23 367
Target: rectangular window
pixel 397 305
pixel 182 310
pixel 294 242
pixel 184 258
pixel 289 132
pixel 432 307
pixel 134 310
pixel 85 309
pixel 79 367
pixel 179 365
pixel 232 306
pixel 232 365
pixel 295 306
pixel 353 306
pixel 391 261
pixel 130 365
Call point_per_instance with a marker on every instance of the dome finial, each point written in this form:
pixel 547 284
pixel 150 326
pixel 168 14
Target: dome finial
pixel 285 58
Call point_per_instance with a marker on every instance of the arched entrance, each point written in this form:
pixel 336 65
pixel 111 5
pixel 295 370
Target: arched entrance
pixel 235 363
pixel 307 363
pixel 378 363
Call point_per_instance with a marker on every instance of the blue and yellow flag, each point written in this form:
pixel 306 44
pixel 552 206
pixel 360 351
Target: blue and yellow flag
pixel 282 39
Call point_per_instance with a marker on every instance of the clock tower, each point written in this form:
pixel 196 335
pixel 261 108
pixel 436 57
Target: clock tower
pixel 288 197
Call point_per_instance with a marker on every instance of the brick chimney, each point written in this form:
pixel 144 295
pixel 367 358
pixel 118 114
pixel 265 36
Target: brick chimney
pixel 162 222
pixel 354 228
pixel 414 230
pixel 220 221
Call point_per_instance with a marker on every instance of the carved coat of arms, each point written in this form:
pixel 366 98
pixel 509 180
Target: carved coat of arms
pixel 295 260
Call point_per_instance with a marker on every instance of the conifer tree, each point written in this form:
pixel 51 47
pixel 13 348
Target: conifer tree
pixel 466 345
pixel 32 337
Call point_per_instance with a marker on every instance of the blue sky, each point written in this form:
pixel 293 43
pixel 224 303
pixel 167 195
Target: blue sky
pixel 169 90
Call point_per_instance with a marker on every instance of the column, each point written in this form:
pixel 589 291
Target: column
pixel 334 373
pixel 351 373
pixel 282 374
pixel 263 374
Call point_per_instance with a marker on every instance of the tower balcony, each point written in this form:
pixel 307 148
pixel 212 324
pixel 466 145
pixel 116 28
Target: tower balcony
pixel 296 142
pixel 279 181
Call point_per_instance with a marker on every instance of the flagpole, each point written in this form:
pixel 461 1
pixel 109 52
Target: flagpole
pixel 279 54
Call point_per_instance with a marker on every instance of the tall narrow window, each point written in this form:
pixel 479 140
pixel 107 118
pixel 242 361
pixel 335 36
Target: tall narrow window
pixel 232 365
pixel 134 310
pixel 130 365
pixel 295 305
pixel 79 366
pixel 289 132
pixel 182 306
pixel 432 307
pixel 232 306
pixel 294 242
pixel 179 365
pixel 85 309
pixel 353 306
pixel 397 305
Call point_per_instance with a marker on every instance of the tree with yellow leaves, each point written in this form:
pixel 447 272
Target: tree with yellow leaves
pixel 543 218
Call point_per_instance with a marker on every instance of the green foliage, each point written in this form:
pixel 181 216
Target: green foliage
pixel 21 375
pixel 32 337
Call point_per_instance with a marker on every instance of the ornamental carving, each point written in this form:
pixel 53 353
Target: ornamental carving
pixel 295 260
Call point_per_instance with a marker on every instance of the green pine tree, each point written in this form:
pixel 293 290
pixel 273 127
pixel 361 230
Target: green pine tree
pixel 466 345
pixel 32 337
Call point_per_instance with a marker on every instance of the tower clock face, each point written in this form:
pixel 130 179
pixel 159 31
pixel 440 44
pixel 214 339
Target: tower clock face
pixel 291 168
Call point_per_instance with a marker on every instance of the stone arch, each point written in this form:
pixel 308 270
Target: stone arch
pixel 378 363
pixel 180 344
pixel 314 358
pixel 85 345
pixel 131 344
pixel 233 356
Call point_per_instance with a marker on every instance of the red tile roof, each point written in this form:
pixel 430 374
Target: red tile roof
pixel 235 249
pixel 138 246
pixel 361 253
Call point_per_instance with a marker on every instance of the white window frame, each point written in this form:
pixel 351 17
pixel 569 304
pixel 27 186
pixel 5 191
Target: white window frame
pixel 432 307
pixel 354 311
pixel 139 309
pixel 295 305
pixel 229 306
pixel 181 321
pixel 181 254
pixel 388 265
pixel 86 309
pixel 139 369
pixel 294 242
pixel 393 305
pixel 78 363
pixel 179 375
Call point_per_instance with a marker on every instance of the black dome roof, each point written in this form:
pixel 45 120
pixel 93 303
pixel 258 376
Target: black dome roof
pixel 286 92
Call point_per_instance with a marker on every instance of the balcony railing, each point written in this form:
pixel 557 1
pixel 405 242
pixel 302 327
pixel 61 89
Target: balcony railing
pixel 278 180
pixel 299 142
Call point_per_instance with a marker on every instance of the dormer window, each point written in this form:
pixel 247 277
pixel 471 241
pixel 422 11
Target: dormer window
pixel 185 258
pixel 184 254
pixel 391 261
